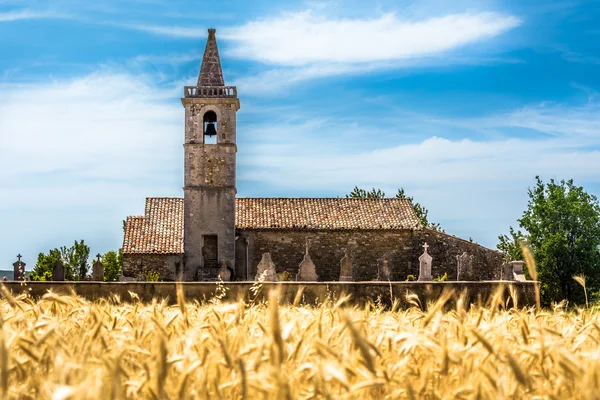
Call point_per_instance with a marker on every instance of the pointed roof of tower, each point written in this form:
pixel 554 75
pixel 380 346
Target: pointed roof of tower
pixel 210 72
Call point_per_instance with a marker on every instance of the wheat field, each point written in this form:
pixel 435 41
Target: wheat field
pixel 66 347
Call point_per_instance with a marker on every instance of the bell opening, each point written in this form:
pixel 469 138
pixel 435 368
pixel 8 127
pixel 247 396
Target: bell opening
pixel 210 127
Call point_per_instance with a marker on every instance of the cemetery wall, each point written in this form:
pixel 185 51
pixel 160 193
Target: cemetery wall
pixel 312 292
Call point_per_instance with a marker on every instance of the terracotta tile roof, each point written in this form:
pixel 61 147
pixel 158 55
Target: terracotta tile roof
pixel 161 229
pixel 320 213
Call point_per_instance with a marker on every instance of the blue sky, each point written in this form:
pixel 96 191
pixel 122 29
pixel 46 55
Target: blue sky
pixel 461 103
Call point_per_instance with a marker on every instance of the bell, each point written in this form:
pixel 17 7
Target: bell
pixel 210 129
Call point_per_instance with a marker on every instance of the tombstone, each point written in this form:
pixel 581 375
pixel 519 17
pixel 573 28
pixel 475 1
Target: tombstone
pixel 224 274
pixel 19 269
pixel 265 271
pixel 384 272
pixel 464 265
pixel 58 272
pixel 98 270
pixel 307 272
pixel 425 265
pixel 346 268
pixel 126 279
pixel 506 272
pixel 518 273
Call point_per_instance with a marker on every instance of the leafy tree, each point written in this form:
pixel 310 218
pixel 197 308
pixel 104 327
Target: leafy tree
pixel 113 265
pixel 74 259
pixel 44 266
pixel 562 226
pixel 358 193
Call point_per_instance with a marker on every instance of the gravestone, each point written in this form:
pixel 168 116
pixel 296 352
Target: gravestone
pixel 425 265
pixel 58 272
pixel 307 272
pixel 265 271
pixel 19 269
pixel 506 272
pixel 384 272
pixel 98 270
pixel 224 274
pixel 518 273
pixel 464 265
pixel 346 268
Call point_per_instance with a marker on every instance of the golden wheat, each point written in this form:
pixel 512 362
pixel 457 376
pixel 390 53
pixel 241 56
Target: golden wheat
pixel 65 347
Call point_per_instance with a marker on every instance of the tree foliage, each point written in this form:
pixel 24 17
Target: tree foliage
pixel 74 259
pixel 113 265
pixel 562 226
pixel 422 212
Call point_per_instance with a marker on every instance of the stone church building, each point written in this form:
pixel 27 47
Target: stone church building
pixel 209 228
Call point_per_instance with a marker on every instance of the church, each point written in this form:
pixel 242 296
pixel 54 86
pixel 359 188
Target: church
pixel 210 228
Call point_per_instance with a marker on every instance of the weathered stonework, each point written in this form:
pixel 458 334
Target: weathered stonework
pixel 168 266
pixel 287 248
pixel 209 171
pixel 485 265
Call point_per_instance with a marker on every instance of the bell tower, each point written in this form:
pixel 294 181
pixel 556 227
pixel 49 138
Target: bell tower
pixel 210 162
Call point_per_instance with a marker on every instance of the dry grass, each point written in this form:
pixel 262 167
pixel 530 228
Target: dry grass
pixel 64 347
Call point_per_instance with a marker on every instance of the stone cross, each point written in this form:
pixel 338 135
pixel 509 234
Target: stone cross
pixel 307 271
pixel 265 271
pixel 98 256
pixel 19 269
pixel 346 268
pixel 98 270
pixel 384 272
pixel 58 272
pixel 463 263
pixel 425 265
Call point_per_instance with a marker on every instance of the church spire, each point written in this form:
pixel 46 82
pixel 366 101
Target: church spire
pixel 210 72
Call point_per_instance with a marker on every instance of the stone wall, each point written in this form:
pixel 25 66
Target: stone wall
pixel 312 293
pixel 444 248
pixel 366 248
pixel 167 265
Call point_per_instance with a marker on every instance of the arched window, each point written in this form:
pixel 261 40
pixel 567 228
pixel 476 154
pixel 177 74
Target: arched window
pixel 210 127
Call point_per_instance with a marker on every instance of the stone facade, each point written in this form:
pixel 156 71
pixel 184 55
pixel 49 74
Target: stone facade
pixel 168 266
pixel 365 249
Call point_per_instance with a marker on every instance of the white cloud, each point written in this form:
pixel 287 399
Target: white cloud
pixel 305 38
pixel 10 16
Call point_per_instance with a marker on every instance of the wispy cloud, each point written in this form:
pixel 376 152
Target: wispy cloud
pixel 17 15
pixel 304 46
pixel 305 38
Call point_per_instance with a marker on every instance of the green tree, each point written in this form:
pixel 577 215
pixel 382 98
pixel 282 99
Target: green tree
pixel 113 265
pixel 422 212
pixel 562 226
pixel 42 271
pixel 74 259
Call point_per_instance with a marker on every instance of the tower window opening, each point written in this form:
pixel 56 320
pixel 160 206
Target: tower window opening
pixel 210 127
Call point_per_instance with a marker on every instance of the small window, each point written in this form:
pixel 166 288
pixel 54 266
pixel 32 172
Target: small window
pixel 210 127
